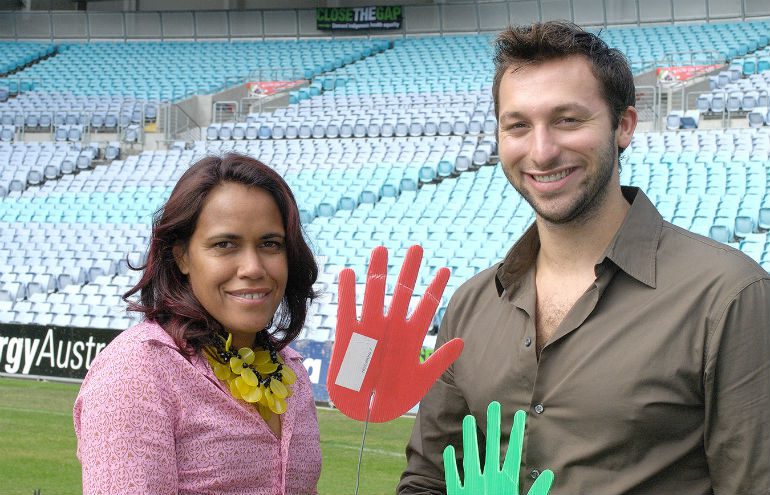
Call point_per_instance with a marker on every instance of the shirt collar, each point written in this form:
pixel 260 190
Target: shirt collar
pixel 635 246
pixel 633 249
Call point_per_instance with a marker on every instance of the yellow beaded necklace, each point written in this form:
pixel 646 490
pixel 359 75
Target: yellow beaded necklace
pixel 259 376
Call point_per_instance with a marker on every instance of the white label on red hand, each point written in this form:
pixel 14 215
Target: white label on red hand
pixel 357 358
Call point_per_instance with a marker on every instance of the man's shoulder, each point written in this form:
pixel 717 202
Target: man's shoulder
pixel 705 257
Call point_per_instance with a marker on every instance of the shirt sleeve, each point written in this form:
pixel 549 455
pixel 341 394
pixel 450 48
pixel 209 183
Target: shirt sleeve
pixel 737 393
pixel 124 424
pixel 438 424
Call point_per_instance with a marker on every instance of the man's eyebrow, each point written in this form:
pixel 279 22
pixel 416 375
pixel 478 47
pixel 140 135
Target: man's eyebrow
pixel 511 116
pixel 575 107
pixel 567 107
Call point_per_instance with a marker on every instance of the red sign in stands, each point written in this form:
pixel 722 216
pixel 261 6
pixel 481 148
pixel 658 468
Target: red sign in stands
pixel 266 88
pixel 684 72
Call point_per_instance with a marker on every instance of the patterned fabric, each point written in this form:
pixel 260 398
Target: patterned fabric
pixel 151 420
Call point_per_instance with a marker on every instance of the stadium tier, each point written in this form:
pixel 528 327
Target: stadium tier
pixel 390 142
pixel 334 115
pixel 692 44
pixel 163 71
pixel 16 55
pixel 712 182
pixel 37 110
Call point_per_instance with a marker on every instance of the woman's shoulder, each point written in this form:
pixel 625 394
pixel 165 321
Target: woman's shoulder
pixel 140 335
pixel 290 353
pixel 127 387
pixel 144 344
pixel 139 362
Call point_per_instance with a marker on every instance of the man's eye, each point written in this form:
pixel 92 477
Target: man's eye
pixel 515 126
pixel 223 244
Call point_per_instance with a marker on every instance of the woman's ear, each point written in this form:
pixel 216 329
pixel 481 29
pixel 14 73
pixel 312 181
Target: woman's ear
pixel 180 256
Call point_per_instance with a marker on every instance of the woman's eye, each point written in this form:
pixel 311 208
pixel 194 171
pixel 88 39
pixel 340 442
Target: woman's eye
pixel 274 245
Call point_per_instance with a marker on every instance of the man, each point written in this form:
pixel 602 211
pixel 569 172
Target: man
pixel 640 351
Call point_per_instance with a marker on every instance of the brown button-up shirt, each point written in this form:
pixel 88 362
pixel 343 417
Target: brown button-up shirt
pixel 656 382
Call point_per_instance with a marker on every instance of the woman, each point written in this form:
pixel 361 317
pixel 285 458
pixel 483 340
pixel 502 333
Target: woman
pixel 204 396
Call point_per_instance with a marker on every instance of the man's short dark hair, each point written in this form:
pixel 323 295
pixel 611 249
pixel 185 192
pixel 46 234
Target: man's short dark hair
pixel 539 42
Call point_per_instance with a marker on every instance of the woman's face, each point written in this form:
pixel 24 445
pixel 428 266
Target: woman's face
pixel 236 259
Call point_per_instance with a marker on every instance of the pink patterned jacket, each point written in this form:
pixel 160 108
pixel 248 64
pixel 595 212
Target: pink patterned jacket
pixel 150 420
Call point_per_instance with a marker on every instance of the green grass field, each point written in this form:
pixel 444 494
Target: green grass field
pixel 37 445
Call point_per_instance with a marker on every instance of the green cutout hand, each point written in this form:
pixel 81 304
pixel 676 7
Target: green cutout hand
pixel 493 481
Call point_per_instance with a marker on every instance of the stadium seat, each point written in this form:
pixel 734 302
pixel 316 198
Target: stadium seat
pixel 7 133
pixel 690 119
pixel 359 129
pixel 304 131
pixel 112 150
pixel 225 131
pixel 266 132
pixel 744 225
pixel 279 131
pixel 373 129
pixel 132 133
pixel 445 169
pixel 674 120
pixel 427 174
pixel 718 103
pixel 319 131
pixel 212 132
pixel 387 130
pixel 239 131
pixel 703 102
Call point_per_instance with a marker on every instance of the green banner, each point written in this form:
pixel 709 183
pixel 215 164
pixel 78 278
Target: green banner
pixel 356 18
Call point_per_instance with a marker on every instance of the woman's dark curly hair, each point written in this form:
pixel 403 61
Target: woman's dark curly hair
pixel 165 293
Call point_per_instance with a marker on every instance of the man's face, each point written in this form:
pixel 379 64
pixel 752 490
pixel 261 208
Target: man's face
pixel 556 142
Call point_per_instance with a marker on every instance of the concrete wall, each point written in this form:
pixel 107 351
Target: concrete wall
pixel 195 19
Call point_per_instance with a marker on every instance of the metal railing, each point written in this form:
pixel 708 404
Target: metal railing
pixel 177 124
pixel 691 57
pixel 225 111
pixel 648 104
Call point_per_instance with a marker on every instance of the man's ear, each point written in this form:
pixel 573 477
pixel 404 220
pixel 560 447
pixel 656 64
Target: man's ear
pixel 626 127
pixel 180 256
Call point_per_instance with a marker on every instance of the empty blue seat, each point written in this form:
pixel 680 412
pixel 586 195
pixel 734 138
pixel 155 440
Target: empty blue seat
pixel 427 174
pixel 388 191
pixel 743 225
pixel 764 218
pixel 445 168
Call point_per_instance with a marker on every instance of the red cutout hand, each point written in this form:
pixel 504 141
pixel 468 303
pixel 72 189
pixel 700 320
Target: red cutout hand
pixel 395 376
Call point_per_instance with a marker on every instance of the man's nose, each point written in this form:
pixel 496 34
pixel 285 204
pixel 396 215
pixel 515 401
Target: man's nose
pixel 543 147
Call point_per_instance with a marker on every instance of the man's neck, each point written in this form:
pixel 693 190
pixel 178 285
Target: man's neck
pixel 577 246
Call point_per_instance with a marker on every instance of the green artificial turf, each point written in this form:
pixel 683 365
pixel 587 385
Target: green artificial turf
pixel 37 445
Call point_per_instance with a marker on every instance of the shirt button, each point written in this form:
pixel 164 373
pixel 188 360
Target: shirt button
pixel 527 342
pixel 539 408
pixel 534 474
